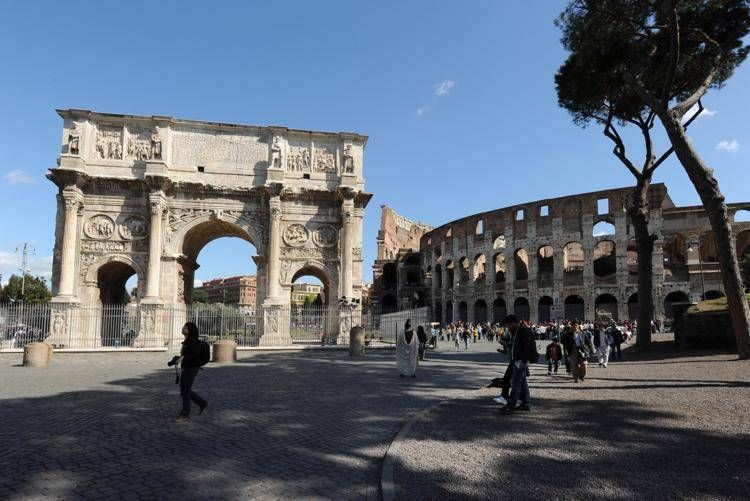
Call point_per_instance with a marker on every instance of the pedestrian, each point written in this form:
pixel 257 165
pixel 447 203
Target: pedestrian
pixel 406 351
pixel 602 341
pixel 190 364
pixel 522 354
pixel 553 356
pixel 577 354
pixel 422 338
pixel 456 340
pixel 618 337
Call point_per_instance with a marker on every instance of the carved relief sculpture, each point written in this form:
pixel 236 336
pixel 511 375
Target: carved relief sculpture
pixel 140 144
pixel 134 228
pixel 296 235
pixel 100 227
pixel 155 144
pixel 325 160
pixel 298 159
pixel 348 160
pixel 109 143
pixel 325 236
pixel 74 140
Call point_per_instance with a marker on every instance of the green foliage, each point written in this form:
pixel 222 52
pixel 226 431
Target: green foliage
pixel 200 296
pixel 35 290
pixel 612 42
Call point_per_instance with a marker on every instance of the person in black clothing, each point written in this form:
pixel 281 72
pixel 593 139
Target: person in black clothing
pixel 189 364
pixel 422 338
pixel 521 355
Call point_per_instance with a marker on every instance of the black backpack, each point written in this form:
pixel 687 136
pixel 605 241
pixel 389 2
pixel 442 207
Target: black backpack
pixel 204 353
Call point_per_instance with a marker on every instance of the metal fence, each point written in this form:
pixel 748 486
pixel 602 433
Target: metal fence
pixel 158 327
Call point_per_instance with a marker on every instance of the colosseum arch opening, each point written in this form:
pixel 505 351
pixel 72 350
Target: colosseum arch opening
pixel 574 307
pixel 545 266
pixel 499 260
pixel 606 303
pixel 521 308
pixel 573 262
pixel 521 264
pixel 499 310
pixel 479 272
pixel 605 262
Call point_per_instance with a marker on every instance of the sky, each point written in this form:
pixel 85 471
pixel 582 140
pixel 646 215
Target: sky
pixel 457 99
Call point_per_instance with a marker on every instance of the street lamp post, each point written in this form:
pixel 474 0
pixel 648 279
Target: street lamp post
pixel 697 245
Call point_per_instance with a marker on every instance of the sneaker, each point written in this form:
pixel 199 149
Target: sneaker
pixel 500 400
pixel 600 364
pixel 549 373
pixel 203 408
pixel 524 407
pixel 605 365
pixel 182 418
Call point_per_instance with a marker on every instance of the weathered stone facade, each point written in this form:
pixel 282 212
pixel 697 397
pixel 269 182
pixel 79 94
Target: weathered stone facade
pixel 143 195
pixel 563 257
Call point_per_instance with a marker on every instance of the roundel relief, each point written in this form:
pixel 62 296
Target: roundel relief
pixel 100 227
pixel 325 236
pixel 134 228
pixel 296 235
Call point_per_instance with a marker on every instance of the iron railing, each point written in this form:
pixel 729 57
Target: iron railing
pixel 158 327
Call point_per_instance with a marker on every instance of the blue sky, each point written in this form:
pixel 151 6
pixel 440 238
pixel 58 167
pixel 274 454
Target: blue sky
pixel 457 98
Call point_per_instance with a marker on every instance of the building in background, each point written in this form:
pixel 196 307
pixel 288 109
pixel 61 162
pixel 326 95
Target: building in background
pixel 240 290
pixel 300 292
pixel 565 257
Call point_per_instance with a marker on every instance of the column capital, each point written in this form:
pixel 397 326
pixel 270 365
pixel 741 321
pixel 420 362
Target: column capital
pixel 158 202
pixel 72 197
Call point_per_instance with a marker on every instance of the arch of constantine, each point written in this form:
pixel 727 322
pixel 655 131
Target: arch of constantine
pixel 143 195
pixel 565 257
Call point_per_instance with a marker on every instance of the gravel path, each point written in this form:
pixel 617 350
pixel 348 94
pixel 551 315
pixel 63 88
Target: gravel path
pixel 670 425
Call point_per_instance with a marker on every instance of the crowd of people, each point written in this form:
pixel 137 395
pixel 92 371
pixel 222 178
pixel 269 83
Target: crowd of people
pixel 572 345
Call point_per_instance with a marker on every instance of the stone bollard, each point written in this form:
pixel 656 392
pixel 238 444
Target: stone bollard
pixel 37 355
pixel 225 351
pixel 356 341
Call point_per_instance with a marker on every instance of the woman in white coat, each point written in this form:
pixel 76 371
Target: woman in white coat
pixel 406 351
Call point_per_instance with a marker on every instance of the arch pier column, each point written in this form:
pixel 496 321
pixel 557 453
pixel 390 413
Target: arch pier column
pixel 158 204
pixel 275 310
pixel 64 322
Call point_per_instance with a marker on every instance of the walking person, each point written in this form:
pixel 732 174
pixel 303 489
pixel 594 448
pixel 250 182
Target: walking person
pixel 422 338
pixel 406 351
pixel 190 363
pixel 522 354
pixel 617 339
pixel 602 342
pixel 553 356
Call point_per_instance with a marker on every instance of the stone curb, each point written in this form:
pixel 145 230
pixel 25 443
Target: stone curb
pixel 387 484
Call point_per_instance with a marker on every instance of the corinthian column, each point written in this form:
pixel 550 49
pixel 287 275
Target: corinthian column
pixel 273 247
pixel 153 281
pixel 347 235
pixel 72 198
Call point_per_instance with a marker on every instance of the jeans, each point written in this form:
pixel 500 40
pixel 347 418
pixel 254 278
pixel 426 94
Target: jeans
pixel 550 364
pixel 520 384
pixel 187 377
pixel 617 351
pixel 421 351
pixel 507 381
pixel 603 354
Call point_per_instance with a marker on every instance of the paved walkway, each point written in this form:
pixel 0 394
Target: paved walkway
pixel 673 425
pixel 282 425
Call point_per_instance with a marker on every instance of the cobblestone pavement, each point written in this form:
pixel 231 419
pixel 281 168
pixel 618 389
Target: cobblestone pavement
pixel 671 425
pixel 279 425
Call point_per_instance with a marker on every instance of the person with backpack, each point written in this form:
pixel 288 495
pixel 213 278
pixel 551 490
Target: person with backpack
pixel 422 337
pixel 192 358
pixel 553 355
pixel 523 353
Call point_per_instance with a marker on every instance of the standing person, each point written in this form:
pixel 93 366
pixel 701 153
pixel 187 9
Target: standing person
pixel 553 356
pixel 190 364
pixel 422 338
pixel 406 351
pixel 602 341
pixel 456 340
pixel 522 353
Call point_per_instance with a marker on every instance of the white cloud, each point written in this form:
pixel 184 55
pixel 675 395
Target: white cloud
pixel 17 176
pixel 422 110
pixel 10 264
pixel 731 146
pixel 197 282
pixel 444 88
pixel 706 113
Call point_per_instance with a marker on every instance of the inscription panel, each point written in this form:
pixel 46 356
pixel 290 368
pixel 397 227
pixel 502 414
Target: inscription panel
pixel 194 146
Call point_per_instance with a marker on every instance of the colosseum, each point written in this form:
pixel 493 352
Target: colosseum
pixel 564 257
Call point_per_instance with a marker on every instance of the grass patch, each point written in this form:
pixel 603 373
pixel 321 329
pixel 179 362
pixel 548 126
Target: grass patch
pixel 712 305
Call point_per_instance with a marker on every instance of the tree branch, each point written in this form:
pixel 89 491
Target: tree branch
pixel 683 107
pixel 619 150
pixel 674 52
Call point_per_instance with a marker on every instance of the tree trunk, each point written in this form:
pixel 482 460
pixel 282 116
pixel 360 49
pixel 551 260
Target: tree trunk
pixel 713 202
pixel 644 241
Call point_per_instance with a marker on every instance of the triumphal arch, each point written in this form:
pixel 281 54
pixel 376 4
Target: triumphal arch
pixel 144 194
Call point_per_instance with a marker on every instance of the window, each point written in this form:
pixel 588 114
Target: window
pixel 520 215
pixel 602 206
pixel 449 233
pixel 479 230
pixel 544 210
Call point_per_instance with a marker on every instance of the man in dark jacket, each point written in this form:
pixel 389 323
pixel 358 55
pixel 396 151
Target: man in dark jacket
pixel 521 355
pixel 190 365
